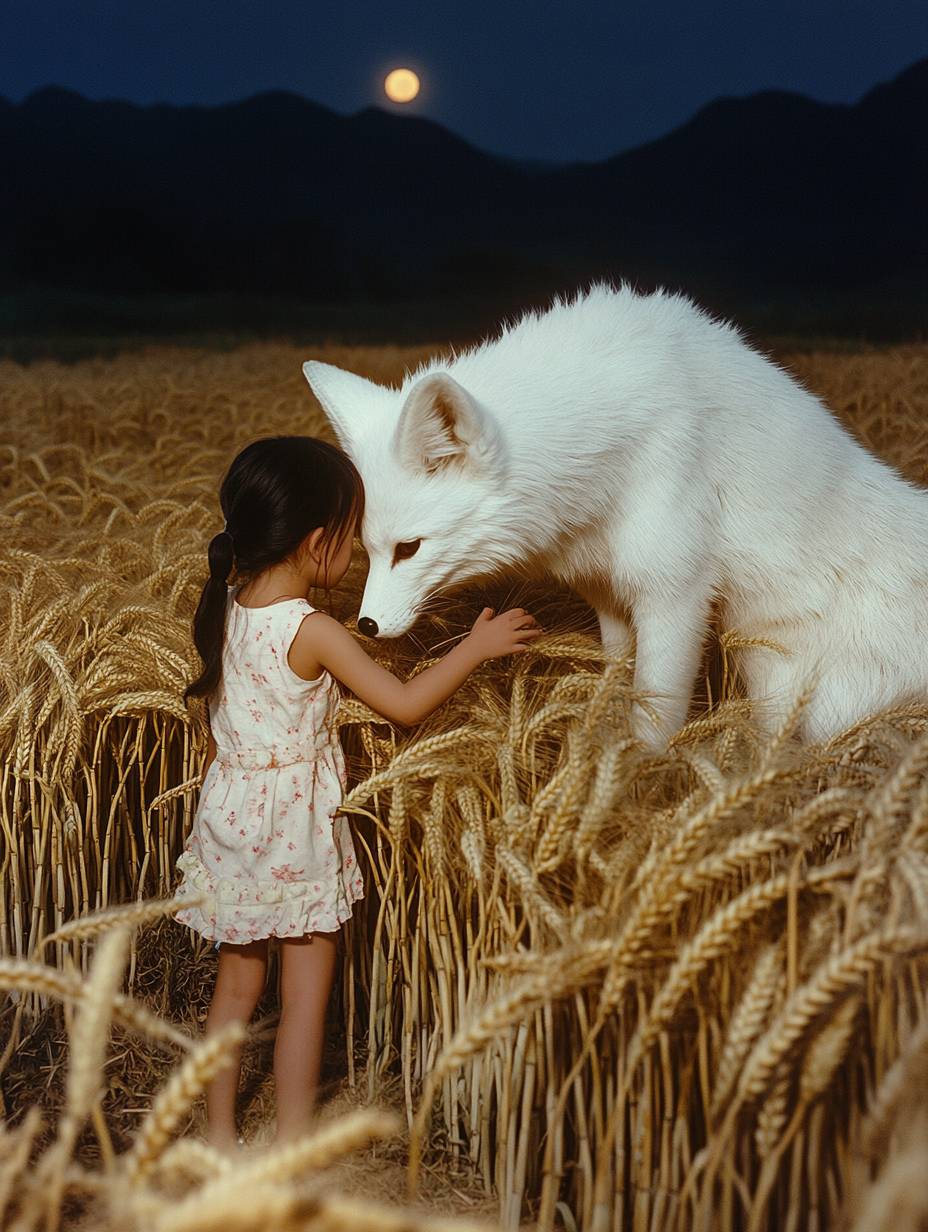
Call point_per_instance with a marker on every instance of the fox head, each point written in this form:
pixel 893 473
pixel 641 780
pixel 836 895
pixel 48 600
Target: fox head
pixel 433 461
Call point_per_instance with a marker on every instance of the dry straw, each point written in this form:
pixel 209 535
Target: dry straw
pixel 630 990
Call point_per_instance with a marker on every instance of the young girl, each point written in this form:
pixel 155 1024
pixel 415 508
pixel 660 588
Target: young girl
pixel 266 849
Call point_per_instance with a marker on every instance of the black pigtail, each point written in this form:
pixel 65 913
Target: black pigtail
pixel 210 618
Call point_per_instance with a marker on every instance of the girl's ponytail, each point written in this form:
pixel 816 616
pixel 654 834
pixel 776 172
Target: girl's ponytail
pixel 210 619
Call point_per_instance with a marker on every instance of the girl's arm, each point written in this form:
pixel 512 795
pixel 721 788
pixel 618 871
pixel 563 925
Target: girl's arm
pixel 320 640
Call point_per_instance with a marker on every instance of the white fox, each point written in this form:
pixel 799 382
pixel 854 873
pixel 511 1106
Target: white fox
pixel 642 452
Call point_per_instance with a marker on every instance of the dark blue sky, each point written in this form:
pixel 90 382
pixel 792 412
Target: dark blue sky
pixel 523 77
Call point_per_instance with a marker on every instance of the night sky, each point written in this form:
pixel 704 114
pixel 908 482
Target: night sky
pixel 564 81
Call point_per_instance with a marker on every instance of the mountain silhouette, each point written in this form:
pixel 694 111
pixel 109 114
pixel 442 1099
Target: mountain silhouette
pixel 280 195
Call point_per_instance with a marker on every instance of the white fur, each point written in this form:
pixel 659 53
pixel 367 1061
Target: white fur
pixel 645 454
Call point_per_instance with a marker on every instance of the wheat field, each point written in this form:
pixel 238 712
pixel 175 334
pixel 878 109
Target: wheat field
pixel 618 990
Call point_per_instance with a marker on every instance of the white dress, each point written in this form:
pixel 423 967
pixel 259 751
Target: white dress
pixel 265 846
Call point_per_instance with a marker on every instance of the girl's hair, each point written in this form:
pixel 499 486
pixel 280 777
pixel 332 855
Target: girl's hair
pixel 276 491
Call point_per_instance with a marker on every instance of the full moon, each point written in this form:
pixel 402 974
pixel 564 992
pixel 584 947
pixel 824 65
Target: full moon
pixel 402 85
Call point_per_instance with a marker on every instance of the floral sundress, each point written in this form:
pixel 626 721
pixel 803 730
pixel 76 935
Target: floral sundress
pixel 265 846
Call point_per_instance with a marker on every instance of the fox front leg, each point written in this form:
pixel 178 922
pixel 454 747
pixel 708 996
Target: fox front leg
pixel 670 631
pixel 615 633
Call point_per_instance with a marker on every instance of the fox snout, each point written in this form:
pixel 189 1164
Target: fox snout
pixel 390 614
pixel 389 625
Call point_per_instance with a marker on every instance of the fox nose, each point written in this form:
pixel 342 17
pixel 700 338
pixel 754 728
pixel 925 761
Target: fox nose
pixel 367 626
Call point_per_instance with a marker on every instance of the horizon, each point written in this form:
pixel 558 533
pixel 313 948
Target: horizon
pixel 533 83
pixel 405 113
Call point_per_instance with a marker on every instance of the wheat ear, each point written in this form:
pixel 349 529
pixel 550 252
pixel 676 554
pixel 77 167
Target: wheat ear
pixel 129 914
pixel 89 1037
pixel 210 1056
pixel 839 975
pixel 747 1022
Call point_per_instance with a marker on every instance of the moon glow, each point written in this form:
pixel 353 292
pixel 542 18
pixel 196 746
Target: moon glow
pixel 402 85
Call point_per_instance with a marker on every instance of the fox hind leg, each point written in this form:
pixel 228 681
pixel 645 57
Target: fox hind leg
pixel 773 682
pixel 848 694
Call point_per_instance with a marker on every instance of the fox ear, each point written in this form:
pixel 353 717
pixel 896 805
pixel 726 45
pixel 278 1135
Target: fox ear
pixel 440 425
pixel 345 397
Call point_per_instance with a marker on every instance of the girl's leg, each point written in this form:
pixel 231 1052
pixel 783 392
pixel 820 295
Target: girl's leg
pixel 239 984
pixel 306 973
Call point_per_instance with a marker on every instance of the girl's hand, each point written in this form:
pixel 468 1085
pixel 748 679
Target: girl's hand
pixel 322 641
pixel 509 633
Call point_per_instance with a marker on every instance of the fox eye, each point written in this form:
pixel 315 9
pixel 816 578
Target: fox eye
pixel 403 551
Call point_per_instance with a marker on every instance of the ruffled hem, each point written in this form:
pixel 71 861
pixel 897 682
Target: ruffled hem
pixel 282 909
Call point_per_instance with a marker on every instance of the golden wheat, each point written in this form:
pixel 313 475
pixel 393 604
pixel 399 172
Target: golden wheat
pixel 628 990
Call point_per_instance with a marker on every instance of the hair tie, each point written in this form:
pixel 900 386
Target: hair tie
pixel 221 558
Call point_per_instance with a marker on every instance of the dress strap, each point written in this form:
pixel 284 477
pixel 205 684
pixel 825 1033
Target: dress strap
pixel 289 627
pixel 291 617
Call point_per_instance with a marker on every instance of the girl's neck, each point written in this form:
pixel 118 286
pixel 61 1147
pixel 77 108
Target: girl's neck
pixel 276 583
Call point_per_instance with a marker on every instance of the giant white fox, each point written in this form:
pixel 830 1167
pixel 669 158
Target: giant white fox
pixel 644 453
